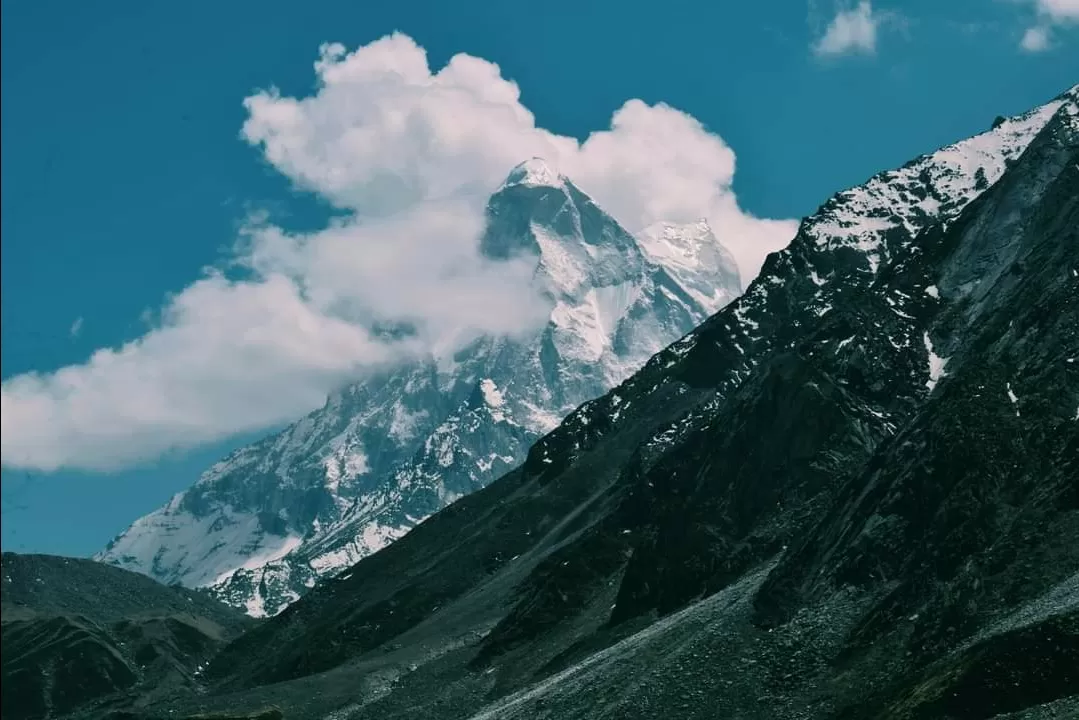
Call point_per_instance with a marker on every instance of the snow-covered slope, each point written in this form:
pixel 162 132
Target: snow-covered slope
pixel 264 524
pixel 868 461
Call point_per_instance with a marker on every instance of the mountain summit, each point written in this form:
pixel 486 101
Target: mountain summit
pixel 534 173
pixel 851 493
pixel 263 525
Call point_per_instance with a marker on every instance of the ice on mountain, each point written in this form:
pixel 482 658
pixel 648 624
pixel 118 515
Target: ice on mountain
pixel 534 172
pixel 539 420
pixel 691 256
pixel 638 292
pixel 930 205
pixel 491 394
pixel 744 319
pixel 405 424
pixel 1013 398
pixel 860 217
pixel 494 400
pixel 187 547
pixel 936 364
pixel 566 270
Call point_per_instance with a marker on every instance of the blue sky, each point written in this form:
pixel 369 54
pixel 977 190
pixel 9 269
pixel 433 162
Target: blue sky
pixel 124 172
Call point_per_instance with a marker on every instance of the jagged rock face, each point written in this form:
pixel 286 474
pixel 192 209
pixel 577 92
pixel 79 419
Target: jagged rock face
pixel 263 525
pixel 849 494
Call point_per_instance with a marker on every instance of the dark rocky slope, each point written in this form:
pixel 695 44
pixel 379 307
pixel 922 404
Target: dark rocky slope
pixel 79 636
pixel 265 524
pixel 850 494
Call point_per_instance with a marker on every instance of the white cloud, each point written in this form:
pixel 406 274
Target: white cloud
pixel 1035 39
pixel 1050 14
pixel 76 327
pixel 1060 10
pixel 412 155
pixel 851 31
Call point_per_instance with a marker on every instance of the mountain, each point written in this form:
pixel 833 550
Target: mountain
pixel 849 494
pixel 80 635
pixel 262 526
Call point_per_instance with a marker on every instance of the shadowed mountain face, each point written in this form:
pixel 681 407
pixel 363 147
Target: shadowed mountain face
pixel 850 494
pixel 79 636
pixel 262 526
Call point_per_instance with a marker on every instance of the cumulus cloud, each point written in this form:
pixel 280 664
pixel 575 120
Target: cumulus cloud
pixel 850 31
pixel 1050 14
pixel 410 156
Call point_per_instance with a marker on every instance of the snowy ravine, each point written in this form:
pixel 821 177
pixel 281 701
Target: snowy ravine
pixel 264 524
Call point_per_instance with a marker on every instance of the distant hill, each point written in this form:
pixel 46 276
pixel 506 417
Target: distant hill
pixel 79 635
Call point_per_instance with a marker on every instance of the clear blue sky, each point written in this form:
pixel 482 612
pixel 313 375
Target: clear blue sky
pixel 123 173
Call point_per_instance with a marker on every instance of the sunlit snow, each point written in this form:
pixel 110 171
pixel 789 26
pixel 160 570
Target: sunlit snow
pixel 936 364
pixel 1013 398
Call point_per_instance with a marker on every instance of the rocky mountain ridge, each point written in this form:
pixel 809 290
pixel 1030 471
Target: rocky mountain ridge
pixel 849 494
pixel 80 636
pixel 262 526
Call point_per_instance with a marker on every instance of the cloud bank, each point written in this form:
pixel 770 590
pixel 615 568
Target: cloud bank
pixel 1050 14
pixel 411 155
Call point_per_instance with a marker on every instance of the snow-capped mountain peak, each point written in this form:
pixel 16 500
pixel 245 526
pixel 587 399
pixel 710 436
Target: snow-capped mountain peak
pixel 855 240
pixel 385 453
pixel 534 172
pixel 263 525
pixel 691 254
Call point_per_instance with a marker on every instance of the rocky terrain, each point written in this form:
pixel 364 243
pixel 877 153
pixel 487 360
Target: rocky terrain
pixel 80 636
pixel 262 526
pixel 850 494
